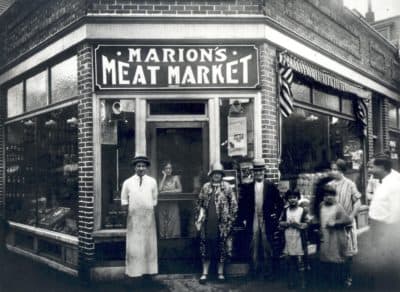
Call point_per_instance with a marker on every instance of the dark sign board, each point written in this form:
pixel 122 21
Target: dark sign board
pixel 170 66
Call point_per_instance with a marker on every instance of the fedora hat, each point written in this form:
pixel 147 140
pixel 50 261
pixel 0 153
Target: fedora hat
pixel 258 164
pixel 216 167
pixel 140 158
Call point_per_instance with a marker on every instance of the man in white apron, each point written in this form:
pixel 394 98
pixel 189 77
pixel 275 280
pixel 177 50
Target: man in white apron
pixel 139 195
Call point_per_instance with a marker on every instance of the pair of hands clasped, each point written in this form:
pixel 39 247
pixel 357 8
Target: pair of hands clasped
pixel 292 224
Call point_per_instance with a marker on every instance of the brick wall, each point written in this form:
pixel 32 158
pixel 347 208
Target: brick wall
pixel 175 7
pixel 270 114
pixel 28 23
pixel 336 30
pixel 86 170
pixel 3 106
pixel 385 123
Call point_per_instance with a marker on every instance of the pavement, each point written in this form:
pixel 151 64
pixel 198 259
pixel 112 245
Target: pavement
pixel 19 274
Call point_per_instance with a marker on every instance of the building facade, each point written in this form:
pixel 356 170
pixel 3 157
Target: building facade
pixel 87 84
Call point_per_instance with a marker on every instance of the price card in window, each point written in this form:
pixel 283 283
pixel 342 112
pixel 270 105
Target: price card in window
pixel 237 136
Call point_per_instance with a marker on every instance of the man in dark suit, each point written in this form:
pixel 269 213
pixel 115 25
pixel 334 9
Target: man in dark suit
pixel 262 207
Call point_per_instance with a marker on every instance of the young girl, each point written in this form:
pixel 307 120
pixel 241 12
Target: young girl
pixel 333 246
pixel 294 221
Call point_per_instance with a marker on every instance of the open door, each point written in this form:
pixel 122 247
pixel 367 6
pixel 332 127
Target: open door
pixel 185 145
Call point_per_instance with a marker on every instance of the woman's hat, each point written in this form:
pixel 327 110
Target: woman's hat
pixel 258 164
pixel 216 167
pixel 140 158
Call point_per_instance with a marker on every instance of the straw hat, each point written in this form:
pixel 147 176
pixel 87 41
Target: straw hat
pixel 258 164
pixel 140 158
pixel 216 167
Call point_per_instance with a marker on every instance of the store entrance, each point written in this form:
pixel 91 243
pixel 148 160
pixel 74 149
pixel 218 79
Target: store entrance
pixel 179 161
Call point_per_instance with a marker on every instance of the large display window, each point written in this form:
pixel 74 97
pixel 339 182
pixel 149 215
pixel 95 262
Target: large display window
pixel 117 134
pixel 42 170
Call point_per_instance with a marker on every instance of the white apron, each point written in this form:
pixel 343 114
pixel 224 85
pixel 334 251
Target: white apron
pixel 141 234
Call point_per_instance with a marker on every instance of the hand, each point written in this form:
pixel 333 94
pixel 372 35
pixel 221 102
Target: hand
pixel 198 225
pixel 284 224
pixel 164 173
pixel 330 223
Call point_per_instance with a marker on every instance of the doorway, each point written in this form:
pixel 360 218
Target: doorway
pixel 185 147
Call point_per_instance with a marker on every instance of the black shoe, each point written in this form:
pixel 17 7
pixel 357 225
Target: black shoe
pixel 203 279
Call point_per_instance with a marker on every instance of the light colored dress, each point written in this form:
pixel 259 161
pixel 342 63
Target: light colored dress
pixel 168 212
pixel 334 242
pixel 293 242
pixel 141 234
pixel 347 195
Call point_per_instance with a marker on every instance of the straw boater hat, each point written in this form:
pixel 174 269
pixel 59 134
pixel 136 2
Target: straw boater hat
pixel 216 167
pixel 258 164
pixel 140 158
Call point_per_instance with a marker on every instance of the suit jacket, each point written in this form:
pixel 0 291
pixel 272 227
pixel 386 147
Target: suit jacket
pixel 272 207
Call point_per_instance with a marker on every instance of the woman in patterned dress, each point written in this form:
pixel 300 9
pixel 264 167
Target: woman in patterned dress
pixel 215 215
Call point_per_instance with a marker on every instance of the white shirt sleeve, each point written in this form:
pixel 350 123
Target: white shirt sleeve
pixel 155 193
pixel 124 194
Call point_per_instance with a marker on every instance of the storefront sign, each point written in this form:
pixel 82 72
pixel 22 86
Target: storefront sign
pixel 151 67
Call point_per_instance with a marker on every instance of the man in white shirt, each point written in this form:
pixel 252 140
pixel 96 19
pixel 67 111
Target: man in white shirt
pixel 384 214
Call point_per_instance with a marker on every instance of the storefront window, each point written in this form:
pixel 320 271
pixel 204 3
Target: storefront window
pixel 42 171
pixel 15 100
pixel 394 148
pixel 117 118
pixel 236 131
pixel 37 91
pixel 64 80
pixel 310 141
pixel 392 115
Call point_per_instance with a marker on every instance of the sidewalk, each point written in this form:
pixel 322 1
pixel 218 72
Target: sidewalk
pixel 18 274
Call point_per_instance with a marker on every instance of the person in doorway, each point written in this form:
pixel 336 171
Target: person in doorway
pixel 264 206
pixel 216 211
pixel 139 196
pixel 294 221
pixel 349 198
pixel 384 214
pixel 169 219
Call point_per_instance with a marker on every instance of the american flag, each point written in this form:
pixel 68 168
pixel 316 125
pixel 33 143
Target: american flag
pixel 285 78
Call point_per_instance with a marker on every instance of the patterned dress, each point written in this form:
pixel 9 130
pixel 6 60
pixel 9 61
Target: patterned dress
pixel 168 213
pixel 141 237
pixel 220 206
pixel 347 195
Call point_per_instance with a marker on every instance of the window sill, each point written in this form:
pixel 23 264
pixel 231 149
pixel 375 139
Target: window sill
pixel 65 238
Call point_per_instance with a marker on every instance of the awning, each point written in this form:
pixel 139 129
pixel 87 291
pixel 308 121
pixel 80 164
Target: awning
pixel 323 76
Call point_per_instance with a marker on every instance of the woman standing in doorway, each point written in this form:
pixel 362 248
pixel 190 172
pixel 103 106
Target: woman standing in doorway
pixel 216 213
pixel 169 219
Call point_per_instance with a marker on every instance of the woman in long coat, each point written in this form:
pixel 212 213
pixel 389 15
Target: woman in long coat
pixel 139 195
pixel 215 215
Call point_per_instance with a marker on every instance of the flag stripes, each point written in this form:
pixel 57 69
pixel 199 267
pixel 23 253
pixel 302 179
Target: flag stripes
pixel 285 78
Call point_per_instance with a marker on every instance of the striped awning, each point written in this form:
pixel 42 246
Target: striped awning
pixel 323 76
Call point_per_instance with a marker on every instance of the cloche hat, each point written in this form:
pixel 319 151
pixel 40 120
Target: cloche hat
pixel 140 158
pixel 216 167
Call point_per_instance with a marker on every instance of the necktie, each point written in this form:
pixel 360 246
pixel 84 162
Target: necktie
pixel 140 180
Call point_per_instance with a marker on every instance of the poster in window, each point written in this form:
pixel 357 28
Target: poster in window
pixel 108 126
pixel 237 136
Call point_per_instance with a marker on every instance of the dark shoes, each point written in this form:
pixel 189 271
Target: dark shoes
pixel 203 279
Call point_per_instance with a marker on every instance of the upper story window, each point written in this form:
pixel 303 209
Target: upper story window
pixel 51 85
pixel 15 100
pixel 64 79
pixel 37 91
